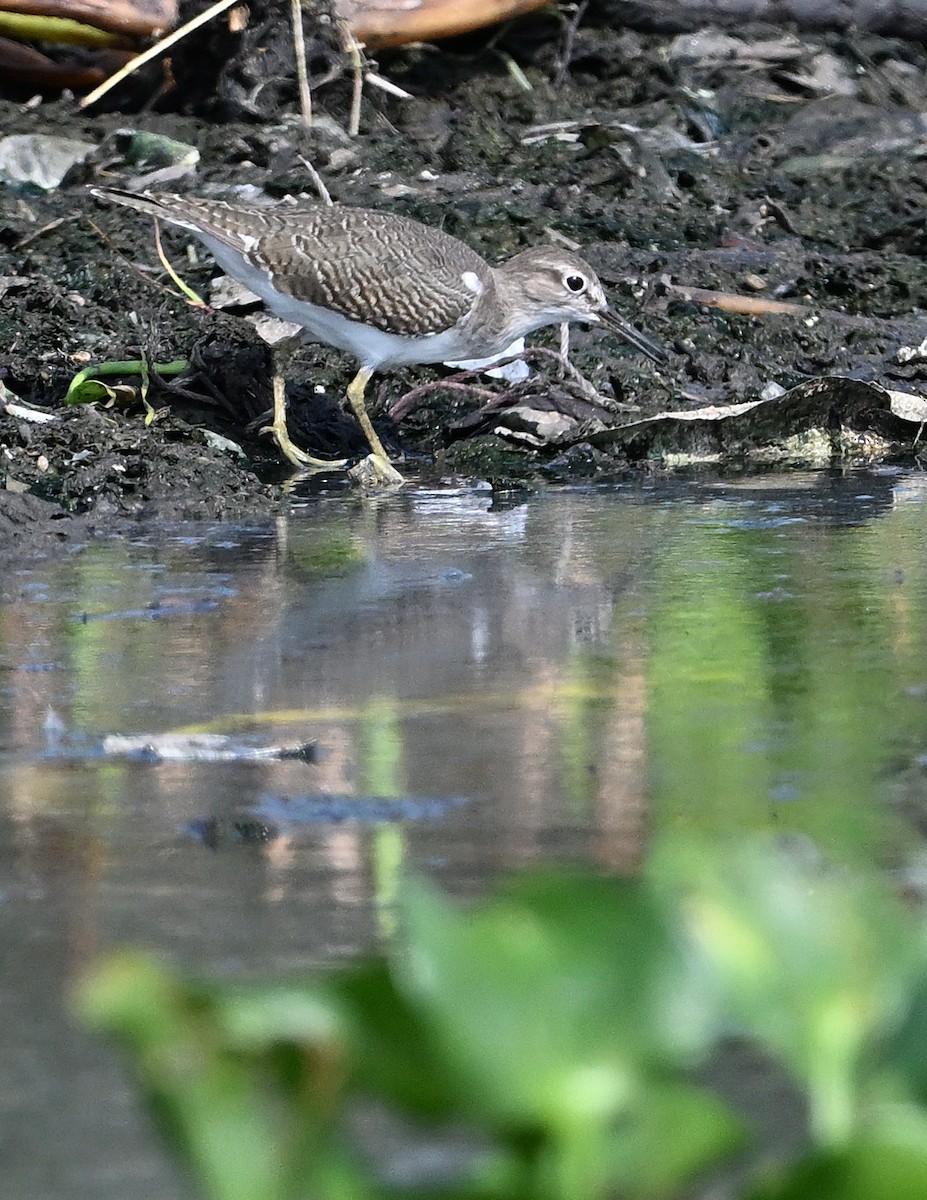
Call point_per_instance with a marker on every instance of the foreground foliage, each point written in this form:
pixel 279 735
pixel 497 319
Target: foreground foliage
pixel 557 1028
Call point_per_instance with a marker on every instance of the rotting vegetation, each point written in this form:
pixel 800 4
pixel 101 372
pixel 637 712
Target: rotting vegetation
pixel 765 165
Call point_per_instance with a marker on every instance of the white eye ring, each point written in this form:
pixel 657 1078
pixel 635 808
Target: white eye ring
pixel 574 283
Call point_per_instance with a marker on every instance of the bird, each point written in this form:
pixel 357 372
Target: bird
pixel 385 289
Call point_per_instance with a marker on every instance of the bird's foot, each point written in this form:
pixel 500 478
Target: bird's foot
pixel 375 471
pixel 299 458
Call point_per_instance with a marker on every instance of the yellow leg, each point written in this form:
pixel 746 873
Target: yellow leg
pixel 376 470
pixel 299 458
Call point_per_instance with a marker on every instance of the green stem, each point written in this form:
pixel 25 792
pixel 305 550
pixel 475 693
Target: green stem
pixel 133 367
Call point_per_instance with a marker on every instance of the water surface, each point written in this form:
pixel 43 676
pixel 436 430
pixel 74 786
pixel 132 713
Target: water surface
pixel 488 684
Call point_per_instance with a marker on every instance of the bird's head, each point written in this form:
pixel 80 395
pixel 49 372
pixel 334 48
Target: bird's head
pixel 553 286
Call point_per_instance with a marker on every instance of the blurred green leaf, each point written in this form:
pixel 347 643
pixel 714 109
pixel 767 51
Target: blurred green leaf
pixel 867 1170
pixel 255 1017
pixel 550 1001
pixel 206 1099
pixel 394 1051
pixel 646 1162
pixel 555 1024
pixel 619 938
pixel 814 963
pixel 906 1051
pixel 245 1108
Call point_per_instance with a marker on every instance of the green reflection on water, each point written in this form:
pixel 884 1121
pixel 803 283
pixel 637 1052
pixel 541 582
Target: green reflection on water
pixel 775 672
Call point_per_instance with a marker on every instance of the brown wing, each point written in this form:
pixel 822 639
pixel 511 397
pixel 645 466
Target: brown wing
pixel 386 270
pixel 402 277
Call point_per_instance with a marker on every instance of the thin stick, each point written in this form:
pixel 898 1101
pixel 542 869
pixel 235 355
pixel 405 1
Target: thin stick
pixel 569 37
pixel 357 68
pixel 189 293
pixel 516 72
pixel 127 262
pixel 753 306
pixel 589 390
pixel 299 52
pixel 386 85
pixel 459 381
pixel 317 182
pixel 411 399
pixel 153 51
pixel 756 306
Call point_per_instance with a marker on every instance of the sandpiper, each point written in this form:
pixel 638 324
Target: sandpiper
pixel 386 289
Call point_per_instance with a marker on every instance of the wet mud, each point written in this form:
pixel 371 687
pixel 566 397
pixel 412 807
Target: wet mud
pixel 781 167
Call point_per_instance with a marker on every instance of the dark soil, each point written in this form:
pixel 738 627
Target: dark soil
pixel 774 166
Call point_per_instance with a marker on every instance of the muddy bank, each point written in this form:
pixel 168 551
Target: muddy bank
pixel 766 165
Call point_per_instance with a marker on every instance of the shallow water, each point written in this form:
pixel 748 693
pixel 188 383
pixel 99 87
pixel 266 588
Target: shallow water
pixel 487 685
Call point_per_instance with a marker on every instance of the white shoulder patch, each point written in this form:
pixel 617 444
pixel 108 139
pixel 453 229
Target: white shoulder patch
pixel 471 282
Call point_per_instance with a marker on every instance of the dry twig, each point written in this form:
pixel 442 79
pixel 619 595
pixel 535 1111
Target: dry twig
pixel 299 53
pixel 153 51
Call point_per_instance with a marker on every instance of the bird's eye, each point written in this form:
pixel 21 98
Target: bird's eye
pixel 575 283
